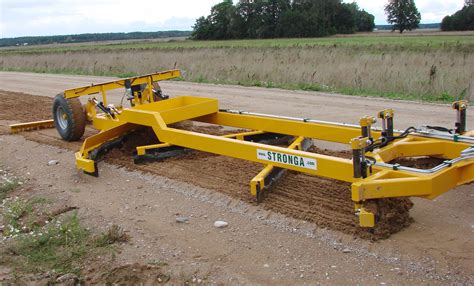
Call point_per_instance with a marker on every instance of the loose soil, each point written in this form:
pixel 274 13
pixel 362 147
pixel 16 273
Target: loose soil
pixel 324 202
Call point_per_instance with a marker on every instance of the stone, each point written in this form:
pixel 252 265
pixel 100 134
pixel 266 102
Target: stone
pixel 220 224
pixel 53 162
pixel 182 219
pixel 69 277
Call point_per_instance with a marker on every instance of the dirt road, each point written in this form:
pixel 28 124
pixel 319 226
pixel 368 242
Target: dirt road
pixel 316 105
pixel 436 248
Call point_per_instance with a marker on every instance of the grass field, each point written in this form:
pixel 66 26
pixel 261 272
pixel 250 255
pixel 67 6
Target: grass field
pixel 429 67
pixel 378 41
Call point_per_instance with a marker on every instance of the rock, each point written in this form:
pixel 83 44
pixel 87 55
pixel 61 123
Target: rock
pixel 53 162
pixel 67 278
pixel 266 265
pixel 346 250
pixel 182 219
pixel 220 224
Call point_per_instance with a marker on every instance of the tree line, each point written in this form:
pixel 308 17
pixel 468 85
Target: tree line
pixel 81 38
pixel 256 19
pixel 462 20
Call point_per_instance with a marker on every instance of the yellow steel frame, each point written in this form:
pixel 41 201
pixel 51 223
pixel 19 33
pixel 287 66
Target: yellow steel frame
pixel 382 182
pixel 36 125
pixel 104 87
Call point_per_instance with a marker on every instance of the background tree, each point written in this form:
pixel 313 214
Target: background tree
pixel 217 26
pixel 462 20
pixel 281 18
pixel 403 15
pixel 261 17
pixel 364 22
pixel 201 29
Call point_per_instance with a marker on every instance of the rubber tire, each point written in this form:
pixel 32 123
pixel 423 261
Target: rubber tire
pixel 76 118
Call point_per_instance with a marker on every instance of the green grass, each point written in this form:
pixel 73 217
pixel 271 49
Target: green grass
pixel 8 183
pixel 462 43
pixel 61 244
pixel 8 186
pixel 58 246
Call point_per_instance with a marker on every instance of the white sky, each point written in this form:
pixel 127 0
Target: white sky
pixel 60 17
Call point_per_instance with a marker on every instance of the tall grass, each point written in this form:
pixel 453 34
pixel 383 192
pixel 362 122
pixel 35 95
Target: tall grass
pixel 435 75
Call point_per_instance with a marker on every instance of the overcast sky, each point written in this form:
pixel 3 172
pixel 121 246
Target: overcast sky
pixel 60 17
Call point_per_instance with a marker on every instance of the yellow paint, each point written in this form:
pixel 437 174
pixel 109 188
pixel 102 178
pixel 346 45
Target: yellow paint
pixel 16 128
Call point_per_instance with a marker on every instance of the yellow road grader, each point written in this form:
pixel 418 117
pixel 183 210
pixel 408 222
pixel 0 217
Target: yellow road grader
pixel 372 171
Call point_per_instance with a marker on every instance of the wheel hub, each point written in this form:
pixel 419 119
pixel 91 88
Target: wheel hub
pixel 62 118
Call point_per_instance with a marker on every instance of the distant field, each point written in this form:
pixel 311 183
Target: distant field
pixel 86 44
pixel 431 66
pixel 463 41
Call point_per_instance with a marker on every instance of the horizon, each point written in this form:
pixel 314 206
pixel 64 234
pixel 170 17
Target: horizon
pixel 62 35
pixel 100 16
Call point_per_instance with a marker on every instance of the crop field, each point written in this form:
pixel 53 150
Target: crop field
pixel 435 67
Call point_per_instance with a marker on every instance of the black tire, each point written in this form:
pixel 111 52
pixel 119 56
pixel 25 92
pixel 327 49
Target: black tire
pixel 69 117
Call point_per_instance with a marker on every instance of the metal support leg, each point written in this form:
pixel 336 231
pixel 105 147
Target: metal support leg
pixel 358 156
pixel 366 126
pixel 461 108
pixel 387 122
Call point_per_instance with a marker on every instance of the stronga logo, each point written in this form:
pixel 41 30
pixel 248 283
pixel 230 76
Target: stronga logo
pixel 287 159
